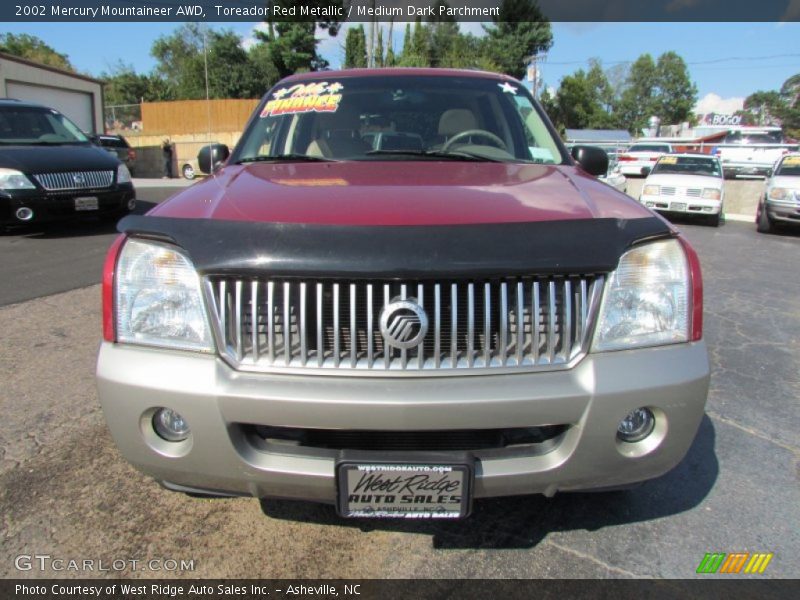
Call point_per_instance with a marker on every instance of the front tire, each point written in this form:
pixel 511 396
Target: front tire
pixel 188 172
pixel 715 220
pixel 764 224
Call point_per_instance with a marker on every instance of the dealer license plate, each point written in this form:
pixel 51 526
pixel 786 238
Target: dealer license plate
pixel 86 203
pixel 678 206
pixel 404 490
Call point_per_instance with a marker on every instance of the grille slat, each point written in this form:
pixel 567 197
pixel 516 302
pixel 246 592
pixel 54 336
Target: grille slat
pixel 535 323
pixel 75 180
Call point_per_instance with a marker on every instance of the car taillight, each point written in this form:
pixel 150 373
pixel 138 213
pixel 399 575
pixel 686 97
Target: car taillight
pixel 626 158
pixel 697 291
pixel 653 158
pixel 109 266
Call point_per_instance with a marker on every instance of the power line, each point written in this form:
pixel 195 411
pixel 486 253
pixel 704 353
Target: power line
pixel 694 62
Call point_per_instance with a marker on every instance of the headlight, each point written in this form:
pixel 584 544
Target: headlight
pixel 11 179
pixel 646 301
pixel 651 190
pixel 777 193
pixel 711 194
pixel 123 174
pixel 158 299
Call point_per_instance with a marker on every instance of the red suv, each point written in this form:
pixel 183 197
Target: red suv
pixel 398 293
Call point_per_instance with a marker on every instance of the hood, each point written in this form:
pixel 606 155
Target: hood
pixel 791 182
pixel 685 181
pixel 49 159
pixel 400 193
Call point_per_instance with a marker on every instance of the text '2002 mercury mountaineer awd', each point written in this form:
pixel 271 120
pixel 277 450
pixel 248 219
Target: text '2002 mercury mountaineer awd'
pixel 398 294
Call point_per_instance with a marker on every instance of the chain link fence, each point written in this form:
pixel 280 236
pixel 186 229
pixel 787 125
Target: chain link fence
pixel 123 117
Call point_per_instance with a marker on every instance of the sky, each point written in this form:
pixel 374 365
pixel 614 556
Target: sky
pixel 727 61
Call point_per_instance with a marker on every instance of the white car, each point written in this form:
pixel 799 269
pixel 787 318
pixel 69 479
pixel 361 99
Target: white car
pixel 781 202
pixel 615 178
pixel 686 183
pixel 639 156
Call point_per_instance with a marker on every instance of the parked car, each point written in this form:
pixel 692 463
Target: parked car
pixel 615 178
pixel 400 330
pixel 50 170
pixel 189 169
pixel 639 156
pixel 686 184
pixel 752 152
pixel 781 201
pixel 118 146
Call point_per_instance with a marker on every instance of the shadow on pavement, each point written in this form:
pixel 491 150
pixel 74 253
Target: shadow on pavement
pixel 86 227
pixel 524 521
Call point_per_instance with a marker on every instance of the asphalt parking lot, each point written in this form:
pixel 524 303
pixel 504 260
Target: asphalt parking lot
pixel 66 492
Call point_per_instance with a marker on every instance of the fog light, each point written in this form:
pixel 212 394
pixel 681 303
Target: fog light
pixel 24 214
pixel 170 425
pixel 651 204
pixel 637 425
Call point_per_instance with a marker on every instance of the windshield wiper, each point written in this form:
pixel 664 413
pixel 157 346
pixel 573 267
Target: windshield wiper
pixel 452 155
pixel 291 157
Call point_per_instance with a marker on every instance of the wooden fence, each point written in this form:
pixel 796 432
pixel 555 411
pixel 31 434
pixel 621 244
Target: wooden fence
pixel 195 116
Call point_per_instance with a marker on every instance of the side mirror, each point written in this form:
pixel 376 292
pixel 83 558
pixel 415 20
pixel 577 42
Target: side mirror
pixel 646 171
pixel 211 157
pixel 592 159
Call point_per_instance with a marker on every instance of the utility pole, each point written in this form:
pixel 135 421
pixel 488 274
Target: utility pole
pixel 205 68
pixel 535 72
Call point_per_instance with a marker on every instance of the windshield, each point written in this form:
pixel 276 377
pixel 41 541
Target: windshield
pixel 789 166
pixel 762 137
pixel 688 165
pixel 30 125
pixel 648 148
pixel 400 118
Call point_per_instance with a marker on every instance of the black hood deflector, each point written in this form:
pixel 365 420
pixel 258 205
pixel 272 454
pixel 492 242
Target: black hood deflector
pixel 429 251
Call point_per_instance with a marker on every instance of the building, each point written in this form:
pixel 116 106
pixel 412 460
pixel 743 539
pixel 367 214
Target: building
pixel 77 96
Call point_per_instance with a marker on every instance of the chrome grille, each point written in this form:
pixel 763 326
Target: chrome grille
pixel 667 191
pixel 693 192
pixel 75 180
pixel 535 323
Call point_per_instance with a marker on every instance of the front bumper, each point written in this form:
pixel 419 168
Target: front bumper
pixel 785 211
pixel 682 204
pixel 218 456
pixel 52 206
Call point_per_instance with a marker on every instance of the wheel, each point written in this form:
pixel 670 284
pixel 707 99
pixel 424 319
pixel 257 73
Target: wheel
pixel 188 172
pixel 764 224
pixel 477 133
pixel 715 220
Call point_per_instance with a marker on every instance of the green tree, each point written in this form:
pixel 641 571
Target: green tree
pixel 233 72
pixel 355 48
pixel 406 43
pixel 125 86
pixel 179 62
pixel 777 107
pixel 444 38
pixel 763 107
pixel 676 94
pixel 33 48
pixel 391 59
pixel 417 53
pixel 380 59
pixel 520 31
pixel 293 46
pixel 639 99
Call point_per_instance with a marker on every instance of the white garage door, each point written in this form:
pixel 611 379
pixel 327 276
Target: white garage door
pixel 77 106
